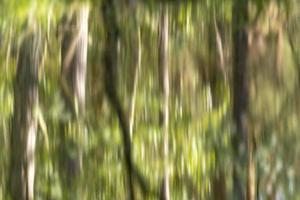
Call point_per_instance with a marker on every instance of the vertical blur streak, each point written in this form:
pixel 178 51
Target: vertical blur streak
pixel 8 52
pixel 240 98
pixel 296 58
pixel 164 68
pixel 73 80
pixel 82 54
pixel 219 45
pixel 110 56
pixel 24 127
pixel 135 83
pixel 74 59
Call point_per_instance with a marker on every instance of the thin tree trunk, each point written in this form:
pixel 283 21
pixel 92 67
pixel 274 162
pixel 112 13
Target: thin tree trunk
pixel 24 124
pixel 164 69
pixel 251 177
pixel 73 81
pixel 74 60
pixel 240 139
pixel 8 52
pixel 219 46
pixel 110 57
pixel 278 52
pixel 216 70
pixel 219 191
pixel 135 84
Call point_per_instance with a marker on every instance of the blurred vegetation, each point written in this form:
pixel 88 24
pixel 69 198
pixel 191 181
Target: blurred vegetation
pixel 200 106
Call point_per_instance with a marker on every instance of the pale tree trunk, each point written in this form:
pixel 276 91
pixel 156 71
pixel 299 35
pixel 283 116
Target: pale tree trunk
pixel 73 83
pixel 216 60
pixel 242 138
pixel 74 59
pixel 136 40
pixel 164 75
pixel 135 83
pixel 24 123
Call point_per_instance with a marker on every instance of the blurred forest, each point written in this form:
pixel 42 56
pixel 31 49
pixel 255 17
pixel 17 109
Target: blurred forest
pixel 149 99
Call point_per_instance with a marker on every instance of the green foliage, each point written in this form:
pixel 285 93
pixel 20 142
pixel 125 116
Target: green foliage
pixel 200 131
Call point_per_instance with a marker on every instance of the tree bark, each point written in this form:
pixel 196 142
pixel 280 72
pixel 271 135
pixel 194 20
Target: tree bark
pixel 73 82
pixel 24 122
pixel 164 70
pixel 241 139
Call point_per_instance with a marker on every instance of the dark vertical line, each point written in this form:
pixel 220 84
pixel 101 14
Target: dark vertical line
pixel 110 57
pixel 240 95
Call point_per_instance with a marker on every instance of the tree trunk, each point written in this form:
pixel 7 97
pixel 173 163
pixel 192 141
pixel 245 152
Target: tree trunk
pixel 110 57
pixel 164 70
pixel 240 139
pixel 217 66
pixel 73 81
pixel 135 83
pixel 219 185
pixel 24 123
pixel 74 60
